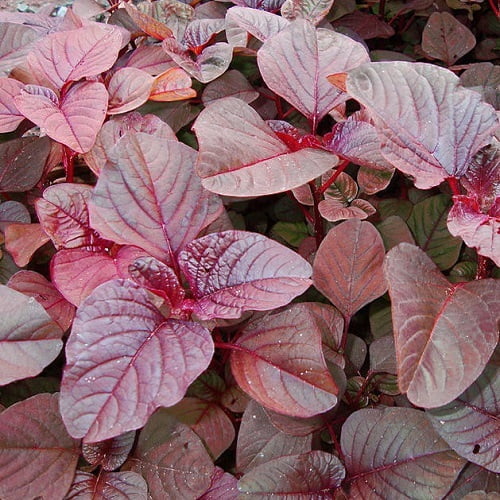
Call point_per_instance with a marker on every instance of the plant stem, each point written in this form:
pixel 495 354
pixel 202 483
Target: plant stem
pixel 483 267
pixel 343 343
pixel 303 209
pixel 319 228
pixel 454 186
pixel 336 443
pixel 334 177
pixel 494 8
pixel 232 347
pixel 69 163
pixel 381 9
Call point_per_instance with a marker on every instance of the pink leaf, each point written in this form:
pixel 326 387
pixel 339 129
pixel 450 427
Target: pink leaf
pixel 279 363
pixel 72 55
pixel 268 167
pixel 223 485
pixel 35 285
pixel 10 117
pixel 150 58
pixel 15 42
pixel 108 486
pixel 469 424
pixel 74 120
pixel 236 271
pixel 295 64
pixel 16 155
pixel 348 266
pixel 38 457
pixel 439 129
pixel 264 5
pixel 23 240
pixel 149 362
pixel 444 333
pixel 200 32
pixel 109 454
pixel 259 441
pixel 150 197
pixel 334 210
pixel 128 89
pixel 484 78
pixel 114 129
pixel 172 459
pixel 313 11
pixel 231 84
pixel 365 25
pixel 29 338
pixel 446 38
pixel 309 475
pixel 393 450
pixel 172 85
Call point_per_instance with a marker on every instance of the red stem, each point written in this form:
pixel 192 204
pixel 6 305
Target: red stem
pixel 454 185
pixel 303 209
pixel 343 343
pixel 232 347
pixel 336 443
pixel 334 177
pixel 483 267
pixel 69 163
pixel 494 8
pixel 381 9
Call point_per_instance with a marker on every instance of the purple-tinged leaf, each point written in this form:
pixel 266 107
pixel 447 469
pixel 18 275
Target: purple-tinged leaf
pixel 259 23
pixel 158 278
pixel 16 156
pixel 310 475
pixel 10 117
pixel 236 271
pixel 469 424
pixel 35 285
pixel 128 89
pixel 279 362
pixel 29 338
pixel 23 240
pixel 200 32
pixel 73 120
pixel 268 167
pixel 436 327
pixel 428 225
pixel 114 129
pixel 230 84
pixel 440 127
pixel 348 266
pixel 365 25
pixel 15 42
pixel 37 456
pixel 7 267
pixel 150 58
pixel 311 10
pixel 298 426
pixel 483 78
pixel 333 210
pixel 172 459
pixel 344 189
pixel 108 486
pixel 259 441
pixel 383 355
pixel 63 214
pixel 72 55
pixel 149 362
pixel 223 485
pixel 76 272
pixel 208 65
pixel 446 38
pixel 265 5
pixel 393 450
pixel 394 231
pixel 109 454
pixel 150 197
pixel 13 211
pixel 295 64
pixel 208 420
pixel 473 478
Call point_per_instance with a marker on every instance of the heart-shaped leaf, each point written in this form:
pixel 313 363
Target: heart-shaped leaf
pixel 389 451
pixel 164 206
pixel 37 456
pixel 110 454
pixel 348 266
pixel 444 333
pixel 23 240
pixel 279 362
pixel 73 120
pixel 150 362
pixel 236 271
pixel 295 63
pixel 231 84
pixel 268 167
pixel 10 117
pixel 439 128
pixel 29 338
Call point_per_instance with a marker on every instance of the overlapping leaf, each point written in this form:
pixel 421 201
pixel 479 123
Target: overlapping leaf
pixel 172 85
pixel 444 333
pixel 394 450
pixel 109 454
pixel 279 363
pixel 223 485
pixel 10 117
pixel 15 42
pixel 268 167
pixel 236 271
pixel 312 10
pixel 124 360
pixel 231 84
pixel 295 63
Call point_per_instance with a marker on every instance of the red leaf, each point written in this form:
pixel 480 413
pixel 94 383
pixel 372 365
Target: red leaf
pixel 365 25
pixel 29 338
pixel 279 362
pixel 23 240
pixel 444 333
pixel 35 285
pixel 295 64
pixel 15 42
pixel 393 450
pixel 313 11
pixel 37 456
pixel 151 198
pixel 72 55
pixel 348 266
pixel 149 362
pixel 10 117
pixel 109 454
pixel 74 120
pixel 231 84
pixel 268 167
pixel 223 486
pixel 440 127
pixel 172 85
pixel 236 271
pixel 148 24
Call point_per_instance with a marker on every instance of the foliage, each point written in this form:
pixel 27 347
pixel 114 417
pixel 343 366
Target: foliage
pixel 249 250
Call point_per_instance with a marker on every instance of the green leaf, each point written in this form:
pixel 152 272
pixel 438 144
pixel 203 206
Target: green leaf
pixel 428 225
pixel 394 206
pixel 380 318
pixel 291 232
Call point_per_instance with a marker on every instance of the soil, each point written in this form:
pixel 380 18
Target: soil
pixel 26 6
